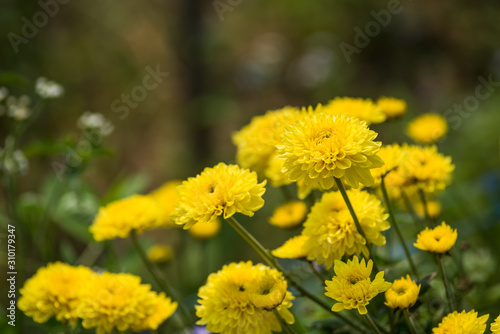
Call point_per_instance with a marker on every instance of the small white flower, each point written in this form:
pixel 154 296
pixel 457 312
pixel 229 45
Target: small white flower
pixel 18 108
pixel 17 163
pixel 48 89
pixel 95 121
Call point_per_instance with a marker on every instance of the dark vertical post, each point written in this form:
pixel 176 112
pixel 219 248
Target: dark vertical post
pixel 192 32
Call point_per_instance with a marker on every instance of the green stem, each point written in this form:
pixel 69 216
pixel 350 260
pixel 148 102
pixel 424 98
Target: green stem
pixel 411 210
pixel 10 196
pixel 269 258
pixel 397 316
pixel 250 239
pixel 372 324
pixel 315 272
pixel 446 283
pixel 409 321
pixel 162 282
pixel 283 323
pixel 392 322
pixel 424 204
pixel 44 224
pixel 341 187
pixel 396 228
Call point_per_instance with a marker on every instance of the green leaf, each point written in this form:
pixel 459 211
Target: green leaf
pixel 45 148
pixel 12 79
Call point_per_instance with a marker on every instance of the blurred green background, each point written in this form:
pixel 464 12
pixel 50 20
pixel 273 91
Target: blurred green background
pixel 228 61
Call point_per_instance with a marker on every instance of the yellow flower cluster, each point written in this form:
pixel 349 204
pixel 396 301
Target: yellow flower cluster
pixel 439 240
pixel 363 109
pixel 320 147
pixel 391 107
pixel 221 190
pixel 106 301
pixel 427 128
pixel 289 215
pixel 427 169
pixel 462 323
pixel 403 293
pixel 167 196
pixel 412 167
pixel 332 232
pixel 352 287
pixel 119 218
pixel 241 297
pixel 313 145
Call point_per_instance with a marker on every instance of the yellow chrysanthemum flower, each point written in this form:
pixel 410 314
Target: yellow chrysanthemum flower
pixel 119 218
pixel 293 248
pixel 321 147
pixel 433 208
pixel 391 106
pixel 206 230
pixel 54 290
pixel 427 128
pixel 403 293
pixel 438 240
pixel 160 254
pixel 495 326
pixel 289 215
pixel 120 302
pixel 332 232
pixel 167 196
pixel 256 142
pixel 240 298
pixel 427 169
pixel 363 109
pixel 162 309
pixel 221 190
pixel 462 323
pixel 393 156
pixel 352 287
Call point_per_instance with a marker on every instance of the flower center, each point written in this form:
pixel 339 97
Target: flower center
pixel 323 136
pixel 353 280
pixel 211 188
pixel 401 291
